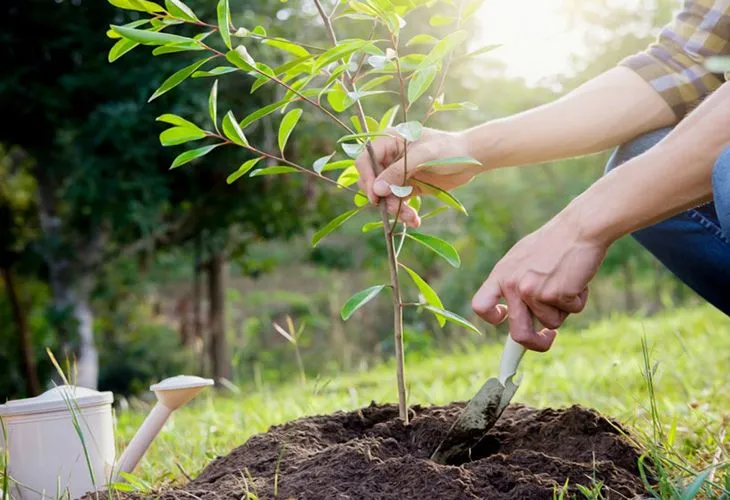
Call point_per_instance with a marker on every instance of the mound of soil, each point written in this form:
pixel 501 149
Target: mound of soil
pixel 369 454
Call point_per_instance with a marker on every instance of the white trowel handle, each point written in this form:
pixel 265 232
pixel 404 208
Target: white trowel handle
pixel 511 357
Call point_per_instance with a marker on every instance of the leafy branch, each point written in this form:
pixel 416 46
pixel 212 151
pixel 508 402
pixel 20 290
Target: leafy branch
pixel 335 73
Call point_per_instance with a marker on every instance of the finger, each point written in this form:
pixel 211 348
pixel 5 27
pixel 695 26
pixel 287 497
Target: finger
pixel 521 327
pixel 364 163
pixel 398 173
pixel 570 303
pixel 391 175
pixel 548 315
pixel 485 302
pixel 407 214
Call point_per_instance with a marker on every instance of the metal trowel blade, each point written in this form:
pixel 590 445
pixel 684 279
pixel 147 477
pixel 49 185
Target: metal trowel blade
pixel 475 420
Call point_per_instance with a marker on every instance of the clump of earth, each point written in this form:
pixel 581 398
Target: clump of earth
pixel 369 454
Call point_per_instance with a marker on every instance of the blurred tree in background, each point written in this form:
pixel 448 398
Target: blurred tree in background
pixel 102 248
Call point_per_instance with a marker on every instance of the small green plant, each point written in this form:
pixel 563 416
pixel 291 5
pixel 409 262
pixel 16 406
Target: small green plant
pixel 333 81
pixel 293 335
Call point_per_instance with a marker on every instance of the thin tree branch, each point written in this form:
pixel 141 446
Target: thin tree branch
pixel 392 258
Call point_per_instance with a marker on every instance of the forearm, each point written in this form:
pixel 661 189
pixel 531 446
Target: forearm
pixel 606 111
pixel 671 177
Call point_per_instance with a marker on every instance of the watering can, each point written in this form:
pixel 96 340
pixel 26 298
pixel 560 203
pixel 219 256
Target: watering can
pixel 61 444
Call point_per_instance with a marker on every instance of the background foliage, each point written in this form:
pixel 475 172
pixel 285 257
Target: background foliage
pixel 94 217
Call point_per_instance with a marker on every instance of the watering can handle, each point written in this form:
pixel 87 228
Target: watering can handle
pixel 511 357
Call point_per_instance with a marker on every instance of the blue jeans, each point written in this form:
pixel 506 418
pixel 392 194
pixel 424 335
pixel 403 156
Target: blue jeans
pixel 694 245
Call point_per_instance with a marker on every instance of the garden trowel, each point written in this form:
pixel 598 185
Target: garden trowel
pixel 484 409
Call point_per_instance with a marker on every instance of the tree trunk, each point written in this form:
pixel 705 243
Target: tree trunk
pixel 629 294
pixel 27 357
pixel 87 362
pixel 71 270
pixel 221 363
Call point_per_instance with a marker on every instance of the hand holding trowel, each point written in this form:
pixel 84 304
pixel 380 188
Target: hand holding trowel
pixel 484 409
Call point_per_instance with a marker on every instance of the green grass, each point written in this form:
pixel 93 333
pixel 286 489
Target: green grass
pixel 602 367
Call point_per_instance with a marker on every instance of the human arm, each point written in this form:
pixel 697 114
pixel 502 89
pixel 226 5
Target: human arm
pixel 649 90
pixel 606 111
pixel 547 273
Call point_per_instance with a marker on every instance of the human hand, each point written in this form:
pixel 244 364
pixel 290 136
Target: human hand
pixel 544 276
pixel 432 145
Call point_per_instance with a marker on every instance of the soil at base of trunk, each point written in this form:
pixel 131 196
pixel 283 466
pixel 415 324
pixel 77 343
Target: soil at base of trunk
pixel 370 454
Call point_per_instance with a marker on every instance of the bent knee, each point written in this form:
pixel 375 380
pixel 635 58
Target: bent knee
pixel 634 148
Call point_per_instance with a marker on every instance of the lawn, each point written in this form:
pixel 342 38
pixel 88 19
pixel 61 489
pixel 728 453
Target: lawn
pixel 601 366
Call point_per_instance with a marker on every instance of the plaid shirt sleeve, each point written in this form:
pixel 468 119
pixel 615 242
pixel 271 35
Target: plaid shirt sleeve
pixel 673 65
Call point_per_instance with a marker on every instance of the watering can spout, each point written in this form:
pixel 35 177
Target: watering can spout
pixel 172 393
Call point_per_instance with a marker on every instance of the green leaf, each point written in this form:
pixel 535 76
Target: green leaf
pixel 120 48
pixel 434 212
pixel 422 39
pixel 213 104
pixel 259 30
pixel 339 164
pixel 241 58
pixel 360 199
pixel 332 225
pixel 338 99
pixel 348 177
pixel 134 24
pixel 372 225
pixel 444 47
pixel 429 295
pixel 342 51
pixel 287 125
pixel 178 9
pixel 320 163
pixel 179 135
pixel 287 46
pixel 232 130
pixel 371 84
pixel 138 5
pixel 242 170
pixel 224 22
pixel 260 113
pixel 456 160
pixel 361 94
pixel 147 37
pixel 441 247
pixel 177 78
pixel 410 131
pixel 415 203
pixel 358 300
pixel 483 50
pixel 370 122
pixel 454 106
pixel 275 170
pixel 217 71
pixel 696 485
pixel 176 120
pixel 420 82
pixel 188 156
pixel 353 150
pixel 441 195
pixel 453 317
pixel 366 135
pixel 387 120
pixel 177 47
pixel 438 20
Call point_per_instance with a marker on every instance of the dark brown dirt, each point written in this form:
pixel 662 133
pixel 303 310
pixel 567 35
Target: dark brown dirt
pixel 370 454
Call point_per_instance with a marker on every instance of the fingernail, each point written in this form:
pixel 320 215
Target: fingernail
pixel 381 188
